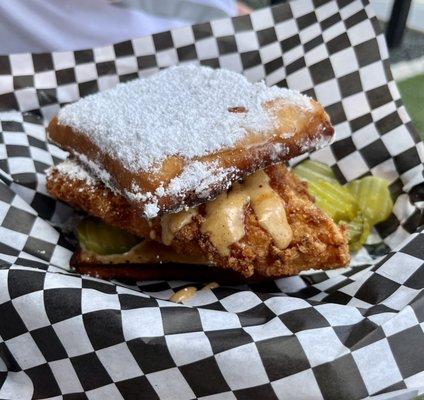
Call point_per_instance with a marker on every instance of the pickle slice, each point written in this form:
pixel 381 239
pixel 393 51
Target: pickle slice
pixel 373 197
pixel 334 199
pixel 358 230
pixel 314 171
pixel 353 188
pixel 360 204
pixel 100 238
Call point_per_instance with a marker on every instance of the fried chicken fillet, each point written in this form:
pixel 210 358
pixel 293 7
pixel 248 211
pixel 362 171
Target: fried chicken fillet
pixel 315 240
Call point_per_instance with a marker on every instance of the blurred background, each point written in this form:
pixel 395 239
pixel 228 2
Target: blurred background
pixel 56 25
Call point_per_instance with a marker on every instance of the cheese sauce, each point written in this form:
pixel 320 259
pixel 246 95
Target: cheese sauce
pixel 225 215
pixel 211 285
pixel 188 292
pixel 269 209
pixel 172 223
pixel 224 220
pixel 183 294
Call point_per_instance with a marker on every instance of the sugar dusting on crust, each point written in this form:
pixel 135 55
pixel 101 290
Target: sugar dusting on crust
pixel 97 172
pixel 181 111
pixel 151 210
pixel 73 171
pixel 200 178
pixel 316 143
pixel 197 177
pixel 278 150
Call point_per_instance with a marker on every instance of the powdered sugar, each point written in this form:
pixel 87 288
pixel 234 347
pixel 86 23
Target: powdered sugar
pixel 188 111
pixel 179 111
pixel 200 178
pixel 317 143
pixel 73 171
pixel 151 210
pixel 103 175
pixel 278 150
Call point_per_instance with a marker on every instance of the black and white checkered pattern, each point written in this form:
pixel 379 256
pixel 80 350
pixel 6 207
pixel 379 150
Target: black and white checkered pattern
pixel 337 335
pixel 79 337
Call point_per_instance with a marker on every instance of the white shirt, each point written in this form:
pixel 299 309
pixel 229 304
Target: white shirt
pixel 54 25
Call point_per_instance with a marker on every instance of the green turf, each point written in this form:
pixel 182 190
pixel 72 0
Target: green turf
pixel 412 91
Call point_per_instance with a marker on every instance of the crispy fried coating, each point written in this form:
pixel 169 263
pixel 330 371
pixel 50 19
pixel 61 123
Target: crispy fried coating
pixel 96 200
pixel 317 241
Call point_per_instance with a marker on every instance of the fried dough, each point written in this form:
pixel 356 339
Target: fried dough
pixel 183 136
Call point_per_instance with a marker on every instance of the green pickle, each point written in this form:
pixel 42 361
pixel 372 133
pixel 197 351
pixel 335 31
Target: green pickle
pixel 358 230
pixel 100 238
pixel 373 198
pixel 359 205
pixel 310 170
pixel 334 199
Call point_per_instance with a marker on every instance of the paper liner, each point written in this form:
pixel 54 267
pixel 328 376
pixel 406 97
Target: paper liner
pixel 344 334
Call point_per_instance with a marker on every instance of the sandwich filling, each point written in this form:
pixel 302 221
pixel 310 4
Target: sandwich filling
pixel 266 224
pixel 224 219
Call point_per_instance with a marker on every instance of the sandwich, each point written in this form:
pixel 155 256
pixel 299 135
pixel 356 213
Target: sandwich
pixel 186 170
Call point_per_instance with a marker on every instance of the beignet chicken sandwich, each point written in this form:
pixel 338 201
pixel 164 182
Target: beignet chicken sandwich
pixel 190 162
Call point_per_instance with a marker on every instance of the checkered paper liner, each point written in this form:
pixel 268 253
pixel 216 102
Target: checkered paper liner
pixel 344 334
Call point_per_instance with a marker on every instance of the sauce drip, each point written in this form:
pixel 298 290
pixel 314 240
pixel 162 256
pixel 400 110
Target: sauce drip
pixel 211 285
pixel 188 292
pixel 172 223
pixel 225 215
pixel 224 220
pixel 183 294
pixel 269 209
